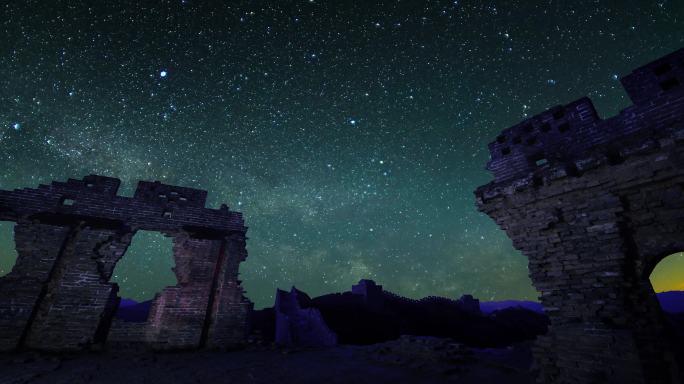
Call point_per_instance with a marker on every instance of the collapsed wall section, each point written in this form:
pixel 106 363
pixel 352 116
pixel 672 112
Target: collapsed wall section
pixel 69 237
pixel 178 313
pixel 79 300
pixel 38 248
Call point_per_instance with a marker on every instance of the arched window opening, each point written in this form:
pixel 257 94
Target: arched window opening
pixel 142 272
pixel 668 276
pixel 667 280
pixel 8 252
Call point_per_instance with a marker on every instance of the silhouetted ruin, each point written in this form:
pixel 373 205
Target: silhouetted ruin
pixel 69 236
pixel 595 204
pixel 368 314
pixel 297 326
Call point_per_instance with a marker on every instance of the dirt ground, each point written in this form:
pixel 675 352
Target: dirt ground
pixel 407 360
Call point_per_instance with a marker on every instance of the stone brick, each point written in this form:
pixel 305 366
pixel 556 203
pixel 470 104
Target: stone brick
pixel 594 219
pixel 69 237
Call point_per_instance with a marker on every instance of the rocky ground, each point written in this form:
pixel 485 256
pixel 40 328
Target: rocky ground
pixel 406 360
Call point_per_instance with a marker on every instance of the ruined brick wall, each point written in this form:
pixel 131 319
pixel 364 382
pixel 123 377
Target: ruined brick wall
pixel 38 247
pixel 595 205
pixel 69 237
pixel 127 334
pixel 79 300
pixel 230 310
pixel 207 307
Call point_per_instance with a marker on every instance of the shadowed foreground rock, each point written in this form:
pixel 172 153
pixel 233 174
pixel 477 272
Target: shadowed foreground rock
pixel 410 360
pixel 297 326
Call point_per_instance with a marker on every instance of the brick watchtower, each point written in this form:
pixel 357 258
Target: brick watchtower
pixel 595 204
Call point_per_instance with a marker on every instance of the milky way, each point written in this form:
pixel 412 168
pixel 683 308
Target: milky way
pixel 350 133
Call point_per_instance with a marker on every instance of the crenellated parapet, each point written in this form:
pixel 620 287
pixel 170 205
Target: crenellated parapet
pixel 162 194
pixel 154 207
pixel 595 204
pixel 660 78
pixel 572 138
pixel 69 237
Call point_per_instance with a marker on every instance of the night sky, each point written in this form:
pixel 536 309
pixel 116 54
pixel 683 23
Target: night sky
pixel 350 133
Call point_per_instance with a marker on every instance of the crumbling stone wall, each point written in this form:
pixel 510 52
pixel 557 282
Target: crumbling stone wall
pixel 595 204
pixel 177 314
pixel 228 320
pixel 78 298
pixel 69 237
pixel 38 247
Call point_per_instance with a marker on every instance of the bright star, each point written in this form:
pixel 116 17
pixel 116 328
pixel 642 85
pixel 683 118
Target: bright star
pixel 16 126
pixel 163 74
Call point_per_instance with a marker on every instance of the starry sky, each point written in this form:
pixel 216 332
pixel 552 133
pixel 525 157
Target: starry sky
pixel 350 133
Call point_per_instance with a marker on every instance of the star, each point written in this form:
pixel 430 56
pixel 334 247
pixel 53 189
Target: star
pixel 297 114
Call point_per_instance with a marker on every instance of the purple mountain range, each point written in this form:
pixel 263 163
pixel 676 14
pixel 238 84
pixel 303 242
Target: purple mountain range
pixel 131 310
pixel 488 307
pixel 672 302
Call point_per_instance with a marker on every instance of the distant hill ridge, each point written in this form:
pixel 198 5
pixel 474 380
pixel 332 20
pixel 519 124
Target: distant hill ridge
pixel 671 301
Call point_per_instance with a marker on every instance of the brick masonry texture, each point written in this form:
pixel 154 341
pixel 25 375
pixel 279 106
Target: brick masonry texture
pixel 69 237
pixel 595 204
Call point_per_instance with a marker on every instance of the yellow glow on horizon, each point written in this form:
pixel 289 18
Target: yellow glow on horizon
pixel 668 275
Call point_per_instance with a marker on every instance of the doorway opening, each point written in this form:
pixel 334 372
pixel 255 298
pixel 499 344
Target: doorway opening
pixel 142 272
pixel 8 252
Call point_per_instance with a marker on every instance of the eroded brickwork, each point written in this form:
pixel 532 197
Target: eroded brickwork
pixel 69 237
pixel 595 204
pixel 79 300
pixel 38 246
pixel 178 314
pixel 229 314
